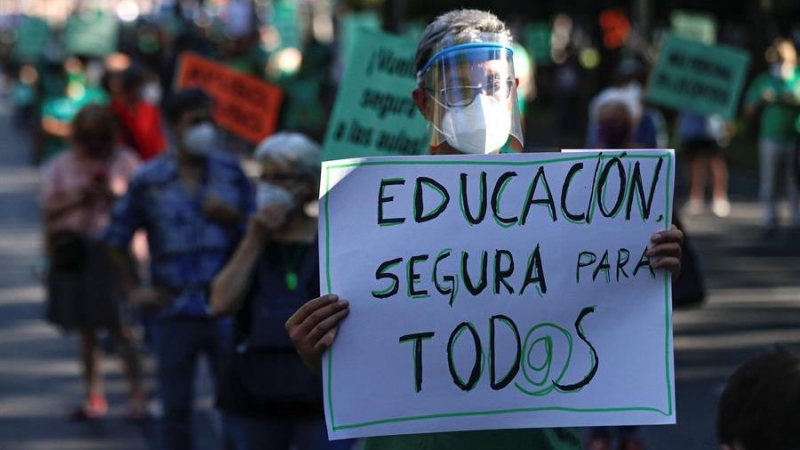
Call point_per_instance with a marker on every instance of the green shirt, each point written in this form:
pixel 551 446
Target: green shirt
pixel 779 121
pixel 527 439
pixel 64 109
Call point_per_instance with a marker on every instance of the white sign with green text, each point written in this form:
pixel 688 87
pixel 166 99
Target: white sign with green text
pixel 375 114
pixel 493 292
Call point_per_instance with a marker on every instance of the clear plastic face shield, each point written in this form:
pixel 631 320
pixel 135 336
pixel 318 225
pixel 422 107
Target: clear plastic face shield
pixel 472 97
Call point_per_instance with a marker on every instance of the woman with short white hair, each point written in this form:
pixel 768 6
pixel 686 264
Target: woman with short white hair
pixel 616 112
pixel 270 399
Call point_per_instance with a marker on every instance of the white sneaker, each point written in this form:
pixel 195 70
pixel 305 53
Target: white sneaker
pixel 694 207
pixel 721 208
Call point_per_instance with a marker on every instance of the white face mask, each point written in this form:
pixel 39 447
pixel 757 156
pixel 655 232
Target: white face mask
pixel 151 93
pixel 482 127
pixel 200 139
pixel 270 195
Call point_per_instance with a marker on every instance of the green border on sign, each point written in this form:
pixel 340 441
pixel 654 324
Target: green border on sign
pixel 444 162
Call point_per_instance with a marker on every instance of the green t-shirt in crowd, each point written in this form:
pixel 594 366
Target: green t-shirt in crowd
pixel 779 121
pixel 64 109
pixel 526 439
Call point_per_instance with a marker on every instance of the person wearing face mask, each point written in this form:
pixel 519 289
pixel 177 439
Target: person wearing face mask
pixel 616 112
pixel 467 93
pixel 193 202
pixel 78 188
pixel 140 121
pixel 270 398
pixel 649 130
pixel 700 138
pixel 776 93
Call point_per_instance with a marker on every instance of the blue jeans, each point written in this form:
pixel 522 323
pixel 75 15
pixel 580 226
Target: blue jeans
pixel 284 433
pixel 178 343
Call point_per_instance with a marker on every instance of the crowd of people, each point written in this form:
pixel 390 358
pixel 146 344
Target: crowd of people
pixel 150 221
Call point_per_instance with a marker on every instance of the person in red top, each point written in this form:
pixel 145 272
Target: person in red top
pixel 140 121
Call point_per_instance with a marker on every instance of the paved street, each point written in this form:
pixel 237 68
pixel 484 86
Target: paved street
pixel 39 378
pixel 754 302
pixel 39 375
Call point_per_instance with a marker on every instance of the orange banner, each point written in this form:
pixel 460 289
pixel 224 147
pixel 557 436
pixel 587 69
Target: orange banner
pixel 245 106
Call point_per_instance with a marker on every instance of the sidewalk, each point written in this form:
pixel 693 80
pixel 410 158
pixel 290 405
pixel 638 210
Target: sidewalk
pixel 39 378
pixel 753 303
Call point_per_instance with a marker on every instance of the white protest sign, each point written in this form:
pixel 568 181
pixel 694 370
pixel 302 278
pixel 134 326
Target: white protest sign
pixel 492 292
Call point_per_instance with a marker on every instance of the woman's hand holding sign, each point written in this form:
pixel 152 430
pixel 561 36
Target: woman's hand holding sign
pixel 313 328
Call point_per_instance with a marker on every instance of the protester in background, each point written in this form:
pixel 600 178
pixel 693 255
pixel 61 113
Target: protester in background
pixel 760 406
pixel 700 138
pixel 475 44
pixel 616 114
pixel 272 400
pixel 62 102
pixel 193 202
pixel 140 121
pixel 79 187
pixel 776 93
pixel 650 127
pixel 25 96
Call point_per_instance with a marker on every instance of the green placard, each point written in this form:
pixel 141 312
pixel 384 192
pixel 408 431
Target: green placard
pixel 700 78
pixel 350 24
pixel 285 20
pixel 414 30
pixel 536 39
pixel 92 33
pixel 32 36
pixel 375 114
pixel 694 26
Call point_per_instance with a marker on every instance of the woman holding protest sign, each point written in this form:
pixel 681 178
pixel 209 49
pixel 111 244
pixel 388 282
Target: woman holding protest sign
pixel 271 399
pixel 467 93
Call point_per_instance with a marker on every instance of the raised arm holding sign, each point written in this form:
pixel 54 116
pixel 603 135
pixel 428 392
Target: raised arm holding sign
pixel 465 235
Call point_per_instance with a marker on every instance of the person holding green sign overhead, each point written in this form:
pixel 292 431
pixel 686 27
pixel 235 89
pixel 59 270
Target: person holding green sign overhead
pixel 467 91
pixel 777 94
